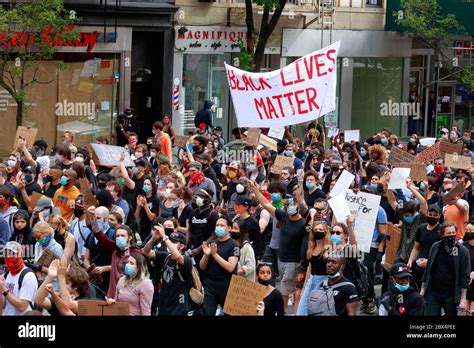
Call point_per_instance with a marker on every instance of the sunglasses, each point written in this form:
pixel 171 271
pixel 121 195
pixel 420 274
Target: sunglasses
pixel 336 232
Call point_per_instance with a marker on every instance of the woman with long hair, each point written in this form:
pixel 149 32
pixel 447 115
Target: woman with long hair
pixel 148 207
pixel 64 237
pixel 135 286
pixel 319 246
pixel 273 298
pixel 167 127
pixel 246 265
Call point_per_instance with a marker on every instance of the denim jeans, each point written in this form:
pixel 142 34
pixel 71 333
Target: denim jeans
pixel 313 282
pixel 434 304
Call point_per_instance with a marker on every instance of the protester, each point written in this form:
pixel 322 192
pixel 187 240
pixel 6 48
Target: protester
pixel 246 266
pixel 273 299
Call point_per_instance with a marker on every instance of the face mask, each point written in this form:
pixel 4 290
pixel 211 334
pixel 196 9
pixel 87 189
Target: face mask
pixel 216 144
pixel 450 241
pixel 411 218
pixel 134 170
pixel 121 181
pixel 147 188
pixel 39 153
pixel 264 282
pixel 168 231
pixel 373 186
pixel 240 188
pixel 121 242
pixel 412 140
pixel 292 210
pixel 112 225
pixel 64 180
pixel 422 186
pixel 138 155
pixel 285 182
pixel 310 185
pixel 336 239
pixel 129 270
pixel 432 220
pixel 220 231
pixel 319 235
pixel 234 235
pixel 383 141
pixel 167 192
pixel 232 175
pixel 14 264
pixel 251 168
pixel 154 132
pixel 11 163
pixel 276 197
pixel 28 178
pixel 288 153
pixel 199 201
pixel 175 203
pixel 103 225
pixel 195 148
pixel 45 240
pixel 468 236
pixel 402 288
pixel 79 159
pixel 363 153
pixel 78 212
pixel 326 170
pixel 59 158
pixel 335 167
pixel 153 154
pixel 333 276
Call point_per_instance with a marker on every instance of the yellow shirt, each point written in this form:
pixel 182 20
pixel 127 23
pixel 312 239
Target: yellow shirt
pixel 65 199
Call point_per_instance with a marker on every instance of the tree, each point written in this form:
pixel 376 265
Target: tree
pixel 30 32
pixel 425 21
pixel 252 53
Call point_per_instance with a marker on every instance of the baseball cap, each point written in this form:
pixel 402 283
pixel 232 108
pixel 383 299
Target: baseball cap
pixel 178 237
pixel 435 207
pixel 243 200
pixel 43 203
pixel 196 165
pixel 400 270
pixel 218 128
pixel 30 169
pixel 204 156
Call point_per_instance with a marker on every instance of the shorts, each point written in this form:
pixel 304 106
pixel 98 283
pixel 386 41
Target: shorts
pixel 288 272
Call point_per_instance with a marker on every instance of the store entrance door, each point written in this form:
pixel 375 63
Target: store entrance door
pixel 444 106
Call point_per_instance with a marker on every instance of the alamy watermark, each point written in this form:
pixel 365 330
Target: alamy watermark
pixel 230 155
pixel 74 108
pixel 399 109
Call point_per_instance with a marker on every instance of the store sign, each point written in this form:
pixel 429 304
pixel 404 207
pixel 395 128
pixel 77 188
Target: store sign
pixel 50 38
pixel 464 49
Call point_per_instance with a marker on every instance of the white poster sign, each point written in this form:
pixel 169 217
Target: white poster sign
pixel 276 132
pixel 340 208
pixel 300 92
pixel 342 184
pixel 352 135
pixel 398 178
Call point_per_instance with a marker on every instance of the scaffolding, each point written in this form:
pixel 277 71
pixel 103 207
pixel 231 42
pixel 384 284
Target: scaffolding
pixel 326 19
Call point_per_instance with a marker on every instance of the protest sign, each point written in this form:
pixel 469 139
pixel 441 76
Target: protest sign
pixel 456 161
pixel 35 196
pixel 27 133
pixel 276 132
pixel 268 142
pixel 351 135
pixel 180 141
pixel 282 162
pixel 300 92
pixel 427 141
pixel 445 147
pixel 340 208
pixel 417 172
pixel 89 198
pixel 398 178
pixel 101 308
pixel 364 209
pixel 109 155
pixel 253 136
pixel 453 193
pixel 392 245
pixel 47 257
pixel 399 156
pixel 332 132
pixel 429 154
pixel 342 184
pixel 243 296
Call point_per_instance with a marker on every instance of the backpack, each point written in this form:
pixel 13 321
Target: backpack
pixel 360 277
pixel 321 300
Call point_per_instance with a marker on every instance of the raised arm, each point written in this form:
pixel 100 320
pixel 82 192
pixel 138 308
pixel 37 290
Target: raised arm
pixel 261 199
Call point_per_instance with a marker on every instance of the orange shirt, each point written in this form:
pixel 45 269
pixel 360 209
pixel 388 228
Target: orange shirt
pixel 452 214
pixel 165 143
pixel 65 199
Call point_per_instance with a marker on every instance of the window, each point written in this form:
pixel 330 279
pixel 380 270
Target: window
pixel 374 3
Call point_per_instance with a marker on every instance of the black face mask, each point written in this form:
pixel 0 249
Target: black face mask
pixel 168 231
pixel 196 148
pixel 78 212
pixel 234 235
pixel 432 220
pixel 319 235
pixel 263 282
pixel 335 168
pixel 148 146
pixel 326 170
pixel 468 236
pixel 450 241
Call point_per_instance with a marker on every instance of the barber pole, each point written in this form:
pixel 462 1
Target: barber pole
pixel 176 97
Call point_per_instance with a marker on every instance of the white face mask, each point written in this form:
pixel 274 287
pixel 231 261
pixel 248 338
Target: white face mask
pixel 79 159
pixel 167 192
pixel 240 188
pixel 153 154
pixel 138 155
pixel 11 163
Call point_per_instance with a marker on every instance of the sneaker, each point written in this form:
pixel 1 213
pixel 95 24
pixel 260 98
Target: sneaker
pixel 363 307
pixel 371 308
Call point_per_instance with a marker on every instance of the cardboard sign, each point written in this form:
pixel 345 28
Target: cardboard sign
pixel 268 142
pixel 47 257
pixel 29 134
pixel 109 155
pixel 429 154
pixel 181 141
pixel 243 296
pixel 253 136
pixel 455 161
pixel 351 135
pixel 282 162
pixel 393 240
pixel 399 156
pixel 276 132
pixel 453 193
pixel 445 147
pixel 35 196
pixel 100 308
pixel 417 170
pixel 89 198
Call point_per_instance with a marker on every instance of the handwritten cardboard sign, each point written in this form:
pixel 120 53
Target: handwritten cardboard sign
pixel 399 156
pixel 445 147
pixel 109 155
pixel 417 170
pixel 455 161
pixel 393 240
pixel 429 154
pixel 243 296
pixel 181 141
pixel 29 134
pixel 253 136
pixel 89 198
pixel 453 193
pixel 47 257
pixel 35 196
pixel 100 308
pixel 282 162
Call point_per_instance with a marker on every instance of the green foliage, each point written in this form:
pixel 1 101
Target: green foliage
pixel 270 5
pixel 245 58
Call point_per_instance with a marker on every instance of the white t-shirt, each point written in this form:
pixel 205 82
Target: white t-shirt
pixel 27 291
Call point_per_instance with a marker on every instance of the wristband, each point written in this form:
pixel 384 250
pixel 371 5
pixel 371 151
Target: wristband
pixel 166 238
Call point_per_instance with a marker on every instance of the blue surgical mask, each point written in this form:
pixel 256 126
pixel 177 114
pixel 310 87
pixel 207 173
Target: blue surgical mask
pixel 28 177
pixel 310 185
pixel 363 153
pixel 410 219
pixel 147 188
pixel 373 186
pixel 336 239
pixel 220 231
pixel 334 275
pixel 103 225
pixel 129 270
pixel 135 170
pixel 383 141
pixel 292 210
pixel 64 180
pixel 121 242
pixel 422 186
pixel 402 288
pixel 276 197
pixel 288 153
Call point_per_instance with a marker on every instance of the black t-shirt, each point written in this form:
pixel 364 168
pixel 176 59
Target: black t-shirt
pixel 434 199
pixel 310 198
pixel 254 235
pixel 50 189
pixel 64 166
pixel 318 265
pixel 184 217
pixel 226 249
pixel 145 223
pixel 443 274
pixel 274 304
pixel 391 217
pixel 344 295
pixel 33 187
pixel 174 293
pixel 201 225
pixel 291 237
pixel 426 238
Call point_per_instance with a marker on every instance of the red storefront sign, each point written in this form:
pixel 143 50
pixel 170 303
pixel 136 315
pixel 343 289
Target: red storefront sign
pixel 466 48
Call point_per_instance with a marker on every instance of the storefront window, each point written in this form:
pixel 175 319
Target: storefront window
pixel 376 81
